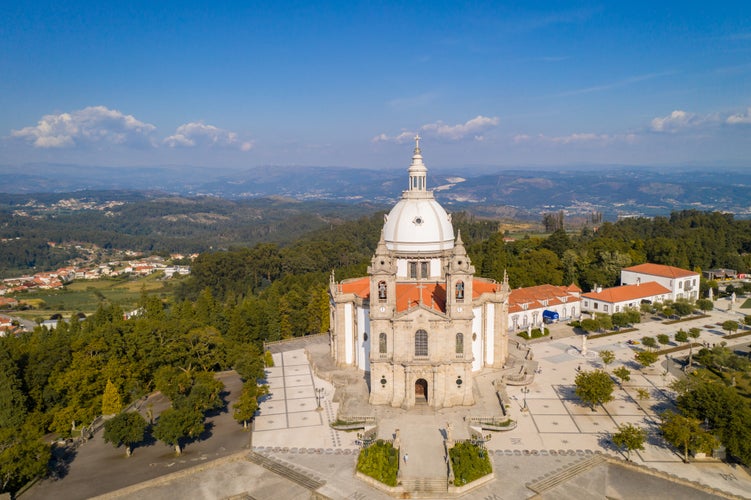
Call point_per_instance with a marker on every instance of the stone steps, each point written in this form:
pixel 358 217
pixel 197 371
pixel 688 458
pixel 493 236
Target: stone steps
pixel 425 485
pixel 549 482
pixel 279 468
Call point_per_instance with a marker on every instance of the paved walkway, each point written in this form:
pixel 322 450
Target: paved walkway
pixel 555 434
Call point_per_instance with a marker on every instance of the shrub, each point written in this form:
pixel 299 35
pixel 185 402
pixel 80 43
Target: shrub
pixel 379 461
pixel 663 339
pixel 470 462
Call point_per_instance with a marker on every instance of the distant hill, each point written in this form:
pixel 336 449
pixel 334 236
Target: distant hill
pixel 520 193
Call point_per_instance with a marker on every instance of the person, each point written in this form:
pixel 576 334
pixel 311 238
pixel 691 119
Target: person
pixel 406 457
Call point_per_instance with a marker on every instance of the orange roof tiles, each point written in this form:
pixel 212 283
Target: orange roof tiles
pixel 358 286
pixel 535 295
pixel 628 292
pixel 409 295
pixel 661 270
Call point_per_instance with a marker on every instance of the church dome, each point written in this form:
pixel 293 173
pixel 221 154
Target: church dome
pixel 418 223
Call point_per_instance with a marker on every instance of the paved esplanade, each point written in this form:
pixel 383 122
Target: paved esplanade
pixel 553 441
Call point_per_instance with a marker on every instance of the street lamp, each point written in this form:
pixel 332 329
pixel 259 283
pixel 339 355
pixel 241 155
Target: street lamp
pixel 525 391
pixel 319 396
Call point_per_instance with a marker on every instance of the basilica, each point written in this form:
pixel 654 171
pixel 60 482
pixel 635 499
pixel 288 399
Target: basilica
pixel 420 324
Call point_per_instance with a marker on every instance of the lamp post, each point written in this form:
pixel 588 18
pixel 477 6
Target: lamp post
pixel 525 391
pixel 319 396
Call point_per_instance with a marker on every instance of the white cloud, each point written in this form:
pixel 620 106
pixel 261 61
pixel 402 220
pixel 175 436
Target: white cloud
pixel 576 138
pixel 677 120
pixel 581 138
pixel 742 118
pixel 199 134
pixel 473 128
pixel 89 125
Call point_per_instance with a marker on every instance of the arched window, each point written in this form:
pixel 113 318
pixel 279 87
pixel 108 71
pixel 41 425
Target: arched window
pixel 459 290
pixel 421 343
pixel 382 290
pixel 382 343
pixel 460 343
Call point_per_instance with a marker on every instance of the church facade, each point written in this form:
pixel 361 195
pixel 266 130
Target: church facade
pixel 420 324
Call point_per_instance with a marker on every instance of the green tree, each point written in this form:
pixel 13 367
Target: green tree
pixel 623 373
pixel 683 308
pixel 705 305
pixel 590 324
pixel 630 438
pixel 694 333
pixel 111 403
pixel 23 456
pixel 649 342
pixel 633 315
pixel 125 429
pixel 175 425
pixel 681 336
pixel 605 321
pixel 663 338
pixel 730 326
pixel 607 356
pixel 594 387
pixel 686 433
pixel 247 404
pixel 12 397
pixel 646 358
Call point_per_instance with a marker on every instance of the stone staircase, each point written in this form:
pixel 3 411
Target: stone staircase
pixel 425 485
pixel 549 482
pixel 296 476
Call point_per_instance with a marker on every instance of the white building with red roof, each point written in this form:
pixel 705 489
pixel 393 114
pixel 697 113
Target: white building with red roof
pixel 682 284
pixel 534 305
pixel 420 325
pixel 618 298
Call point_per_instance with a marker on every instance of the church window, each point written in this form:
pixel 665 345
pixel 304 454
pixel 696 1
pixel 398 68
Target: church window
pixel 421 343
pixel 382 343
pixel 460 343
pixel 459 290
pixel 413 270
pixel 423 270
pixel 382 290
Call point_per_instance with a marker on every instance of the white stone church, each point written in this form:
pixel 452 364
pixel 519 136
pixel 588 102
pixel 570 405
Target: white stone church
pixel 420 324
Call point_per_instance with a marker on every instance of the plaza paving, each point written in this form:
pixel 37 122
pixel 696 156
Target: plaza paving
pixel 553 434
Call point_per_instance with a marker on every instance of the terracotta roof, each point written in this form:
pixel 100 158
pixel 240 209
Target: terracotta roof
pixel 535 295
pixel 358 286
pixel 660 270
pixel 573 288
pixel 628 292
pixel 480 286
pixel 409 295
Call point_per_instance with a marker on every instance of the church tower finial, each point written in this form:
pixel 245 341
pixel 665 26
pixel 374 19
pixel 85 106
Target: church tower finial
pixel 418 171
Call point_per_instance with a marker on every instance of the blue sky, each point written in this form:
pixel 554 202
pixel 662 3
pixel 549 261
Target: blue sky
pixel 247 83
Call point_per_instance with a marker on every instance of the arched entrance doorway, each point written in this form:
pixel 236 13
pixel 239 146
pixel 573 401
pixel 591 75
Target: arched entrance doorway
pixel 421 391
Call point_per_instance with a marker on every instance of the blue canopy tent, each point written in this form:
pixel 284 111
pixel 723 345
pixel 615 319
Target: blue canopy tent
pixel 549 316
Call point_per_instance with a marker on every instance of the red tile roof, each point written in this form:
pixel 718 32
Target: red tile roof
pixel 535 295
pixel 409 295
pixel 358 286
pixel 660 270
pixel 628 292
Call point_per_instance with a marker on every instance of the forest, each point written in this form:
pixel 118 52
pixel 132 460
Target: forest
pixel 236 299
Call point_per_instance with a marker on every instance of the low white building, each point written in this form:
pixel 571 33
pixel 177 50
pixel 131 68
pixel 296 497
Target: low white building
pixel 682 284
pixel 533 305
pixel 618 298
